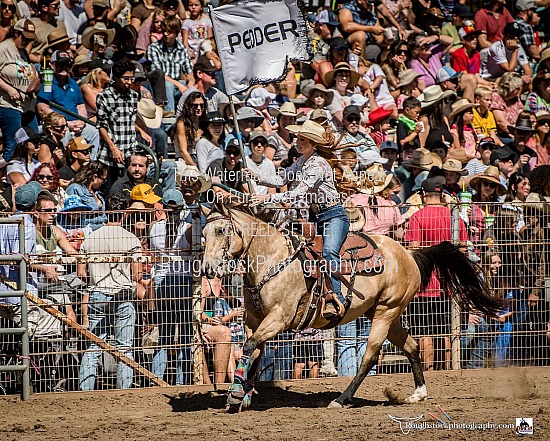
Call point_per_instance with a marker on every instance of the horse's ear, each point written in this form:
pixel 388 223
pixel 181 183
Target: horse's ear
pixel 205 210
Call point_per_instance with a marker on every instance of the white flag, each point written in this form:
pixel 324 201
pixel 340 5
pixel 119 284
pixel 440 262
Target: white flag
pixel 256 39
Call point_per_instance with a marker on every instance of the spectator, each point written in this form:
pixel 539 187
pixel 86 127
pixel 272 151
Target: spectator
pixel 78 154
pixel 136 173
pixel 342 80
pixel 491 20
pixel 151 31
pixel 539 98
pixel 464 135
pixel 97 39
pixel 453 171
pixel 426 57
pixel 171 56
pixel 279 142
pixel 518 188
pixel 466 58
pixel 504 158
pixel 408 127
pixel 116 119
pixel 187 127
pixel 542 138
pixel 258 163
pixel 141 12
pixel 23 162
pixel 488 189
pixel 58 40
pixel 389 151
pixel 506 104
pixel 484 120
pixel 461 16
pixel 420 164
pixel 73 16
pixel 319 98
pixel 65 92
pixel 19 84
pixel 379 120
pixel 364 142
pixel 8 18
pixel 44 23
pixel 248 120
pixel 196 28
pixel 91 86
pixel 110 300
pixel 476 166
pixel 52 149
pixel 209 146
pixel 228 169
pixel 48 177
pixel 524 16
pixel 522 132
pixel 395 63
pixel 375 80
pixel 408 87
pixel 433 116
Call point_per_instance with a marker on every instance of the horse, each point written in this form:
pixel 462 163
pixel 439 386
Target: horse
pixel 276 300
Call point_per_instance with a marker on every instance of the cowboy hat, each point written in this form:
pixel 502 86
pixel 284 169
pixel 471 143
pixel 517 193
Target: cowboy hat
pixel 259 96
pixel 310 130
pixel 437 160
pixel 522 124
pixel 150 113
pixel 81 59
pixel 491 175
pixel 225 104
pixel 329 94
pixel 374 179
pixel 460 106
pixel 378 115
pixel 287 109
pixel 458 154
pixel 542 115
pixel 98 28
pixel 249 113
pixel 433 94
pixel 454 165
pixel 57 36
pixel 421 158
pixel 342 67
pixel 356 216
pixel 185 171
pixel 407 76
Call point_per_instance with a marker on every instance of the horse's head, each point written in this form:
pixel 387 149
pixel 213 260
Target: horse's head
pixel 223 242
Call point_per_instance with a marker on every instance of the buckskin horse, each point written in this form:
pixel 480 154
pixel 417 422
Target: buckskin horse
pixel 278 298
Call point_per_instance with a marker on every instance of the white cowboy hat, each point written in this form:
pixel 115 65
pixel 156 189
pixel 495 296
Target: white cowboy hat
pixel 287 109
pixel 259 96
pixel 184 171
pixel 310 130
pixel 98 28
pixel 454 165
pixel 329 94
pixel 356 216
pixel 460 106
pixel 433 94
pixel 150 113
pixel 407 76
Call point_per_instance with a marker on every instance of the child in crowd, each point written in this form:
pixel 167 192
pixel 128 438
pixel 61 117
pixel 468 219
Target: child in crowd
pixel 156 25
pixel 196 28
pixel 376 79
pixel 464 135
pixel 408 126
pixel 484 121
pixel 379 120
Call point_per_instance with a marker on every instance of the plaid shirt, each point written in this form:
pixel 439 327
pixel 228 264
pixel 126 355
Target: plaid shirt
pixel 116 113
pixel 172 61
pixel 527 37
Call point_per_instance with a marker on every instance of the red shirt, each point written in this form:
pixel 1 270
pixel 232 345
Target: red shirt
pixel 462 62
pixel 485 21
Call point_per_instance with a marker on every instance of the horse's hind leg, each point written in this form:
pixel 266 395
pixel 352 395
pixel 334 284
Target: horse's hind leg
pixel 377 335
pixel 402 339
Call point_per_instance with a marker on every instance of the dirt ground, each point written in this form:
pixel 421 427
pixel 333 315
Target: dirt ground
pixel 289 411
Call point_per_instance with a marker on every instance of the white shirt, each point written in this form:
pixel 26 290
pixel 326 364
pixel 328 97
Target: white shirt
pixel 264 168
pixel 498 54
pixel 72 19
pixel 381 93
pixel 207 153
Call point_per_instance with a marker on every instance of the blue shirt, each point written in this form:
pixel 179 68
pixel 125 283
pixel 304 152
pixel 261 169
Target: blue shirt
pixel 68 96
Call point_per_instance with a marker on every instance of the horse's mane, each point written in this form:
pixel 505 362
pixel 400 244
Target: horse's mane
pixel 272 214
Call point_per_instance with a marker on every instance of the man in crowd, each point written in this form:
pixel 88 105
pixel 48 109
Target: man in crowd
pixel 352 122
pixel 491 20
pixel 45 23
pixel 136 173
pixel 79 152
pixel 524 17
pixel 72 15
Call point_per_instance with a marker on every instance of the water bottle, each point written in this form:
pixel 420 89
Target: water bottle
pixel 218 308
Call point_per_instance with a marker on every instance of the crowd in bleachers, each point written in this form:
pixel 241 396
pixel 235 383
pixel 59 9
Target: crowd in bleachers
pixel 115 124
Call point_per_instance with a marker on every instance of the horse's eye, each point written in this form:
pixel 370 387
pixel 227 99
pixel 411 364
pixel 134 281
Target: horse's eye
pixel 220 231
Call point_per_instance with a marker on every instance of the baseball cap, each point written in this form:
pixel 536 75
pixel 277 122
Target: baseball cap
pixel 78 143
pixel 468 31
pixel 205 64
pixel 60 57
pixel 389 145
pixel 503 154
pixel 462 11
pixel 432 185
pixel 26 195
pixel 25 134
pixel 487 142
pixel 26 27
pixel 144 193
pixel 173 197
pixel 447 73
pixel 258 134
pixel 326 17
pixel 351 110
pixel 525 5
pixel 139 73
pixel 512 30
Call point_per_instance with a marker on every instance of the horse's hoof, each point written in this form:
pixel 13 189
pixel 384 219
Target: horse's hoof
pixel 335 405
pixel 420 394
pixel 233 408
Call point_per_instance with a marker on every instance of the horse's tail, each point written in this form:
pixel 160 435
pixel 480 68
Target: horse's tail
pixel 458 276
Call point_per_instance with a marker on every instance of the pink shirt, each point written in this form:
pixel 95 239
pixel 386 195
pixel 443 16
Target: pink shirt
pixel 434 62
pixel 387 214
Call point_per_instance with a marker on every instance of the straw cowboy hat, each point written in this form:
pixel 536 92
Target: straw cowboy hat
pixel 185 171
pixel 342 67
pixel 433 94
pixel 542 115
pixel 491 175
pixel 374 179
pixel 421 158
pixel 356 216
pixel 98 28
pixel 437 160
pixel 329 94
pixel 310 130
pixel 458 154
pixel 150 113
pixel 454 165
pixel 287 109
pixel 57 36
pixel 460 106
pixel 406 77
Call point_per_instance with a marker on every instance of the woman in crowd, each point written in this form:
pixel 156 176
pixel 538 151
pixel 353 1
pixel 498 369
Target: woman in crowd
pixel 539 98
pixel 52 150
pixel 318 97
pixel 519 188
pixel 8 17
pixel 187 130
pixel 24 161
pixel 141 12
pixel 157 20
pixel 280 142
pixel 433 116
pixel 542 137
pixel 426 57
pixel 342 80
pixel 395 63
pixel 338 53
pixel 48 177
pixel 506 104
pixel 209 147
pixel 91 86
pixel 464 135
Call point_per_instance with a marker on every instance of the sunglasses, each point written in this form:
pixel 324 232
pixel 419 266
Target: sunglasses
pixel 55 5
pixel 44 178
pixel 60 127
pixel 210 74
pixel 189 182
pixel 10 7
pixel 487 147
pixel 340 49
pixel 489 184
pixel 543 123
pixel 401 52
pixel 85 152
pixel 198 105
pixel 233 153
pixel 262 143
pixel 353 119
pixel 48 210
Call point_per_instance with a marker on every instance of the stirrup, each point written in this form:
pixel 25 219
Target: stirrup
pixel 332 307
